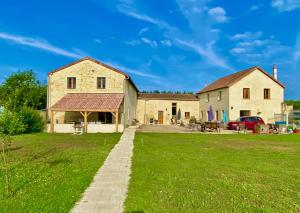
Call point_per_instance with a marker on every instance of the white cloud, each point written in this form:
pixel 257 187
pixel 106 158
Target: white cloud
pixel 296 55
pixel 97 40
pixel 256 7
pixel 38 44
pixel 167 43
pixel 131 71
pixel 238 50
pixel 285 5
pixel 246 35
pixel 207 53
pixel 152 43
pixel 133 42
pixel 143 30
pixel 219 14
pixel 252 49
pixel 171 33
pixel 145 18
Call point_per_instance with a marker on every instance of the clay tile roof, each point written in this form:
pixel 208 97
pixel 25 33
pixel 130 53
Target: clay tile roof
pixel 89 102
pixel 233 78
pixel 167 96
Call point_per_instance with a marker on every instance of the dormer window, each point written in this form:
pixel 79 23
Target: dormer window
pixel 71 83
pixel 101 83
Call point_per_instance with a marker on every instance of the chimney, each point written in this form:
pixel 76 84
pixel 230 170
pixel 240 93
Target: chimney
pixel 275 71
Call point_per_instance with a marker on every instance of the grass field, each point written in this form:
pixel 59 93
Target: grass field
pixel 50 171
pixel 214 173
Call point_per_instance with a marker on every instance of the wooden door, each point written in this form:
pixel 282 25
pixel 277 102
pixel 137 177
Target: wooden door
pixel 160 117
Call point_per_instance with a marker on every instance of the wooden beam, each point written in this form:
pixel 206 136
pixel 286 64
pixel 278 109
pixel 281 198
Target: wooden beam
pixel 114 114
pixel 82 110
pixel 51 121
pixel 85 121
pixel 85 117
pixel 117 121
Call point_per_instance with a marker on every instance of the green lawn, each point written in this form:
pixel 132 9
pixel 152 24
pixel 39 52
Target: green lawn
pixel 215 173
pixel 50 171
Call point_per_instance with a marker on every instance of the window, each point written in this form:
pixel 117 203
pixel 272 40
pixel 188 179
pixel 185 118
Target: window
pixel 202 115
pixel 245 113
pixel 174 109
pixel 267 94
pixel 187 115
pixel 208 97
pixel 71 83
pixel 246 93
pixel 101 83
pixel 217 115
pixel 220 96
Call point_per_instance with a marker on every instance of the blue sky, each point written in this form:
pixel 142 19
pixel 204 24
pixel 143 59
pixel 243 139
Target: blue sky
pixel 164 45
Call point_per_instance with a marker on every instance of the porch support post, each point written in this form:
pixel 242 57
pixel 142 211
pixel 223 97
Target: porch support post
pixel 51 121
pixel 85 116
pixel 117 121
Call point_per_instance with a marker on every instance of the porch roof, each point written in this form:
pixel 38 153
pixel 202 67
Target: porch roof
pixel 91 102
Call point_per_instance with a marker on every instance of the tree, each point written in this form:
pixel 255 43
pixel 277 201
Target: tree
pixel 22 89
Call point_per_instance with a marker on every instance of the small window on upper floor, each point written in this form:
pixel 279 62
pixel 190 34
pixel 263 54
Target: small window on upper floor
pixel 220 96
pixel 101 83
pixel 71 83
pixel 246 93
pixel 267 94
pixel 208 97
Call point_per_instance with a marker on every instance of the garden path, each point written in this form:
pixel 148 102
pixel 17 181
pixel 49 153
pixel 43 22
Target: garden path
pixel 108 190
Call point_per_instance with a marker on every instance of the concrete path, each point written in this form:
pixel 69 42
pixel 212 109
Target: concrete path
pixel 108 190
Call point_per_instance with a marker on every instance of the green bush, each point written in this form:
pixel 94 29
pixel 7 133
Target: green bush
pixel 32 120
pixel 11 124
pixel 27 120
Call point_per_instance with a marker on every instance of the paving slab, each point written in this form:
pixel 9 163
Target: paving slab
pixel 108 190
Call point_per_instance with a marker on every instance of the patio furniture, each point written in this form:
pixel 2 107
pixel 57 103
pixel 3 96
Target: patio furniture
pixel 273 129
pixel 78 128
pixel 241 128
pixel 261 129
pixel 212 126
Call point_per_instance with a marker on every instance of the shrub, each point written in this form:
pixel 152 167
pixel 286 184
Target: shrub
pixel 11 124
pixel 32 120
pixel 192 120
pixel 27 120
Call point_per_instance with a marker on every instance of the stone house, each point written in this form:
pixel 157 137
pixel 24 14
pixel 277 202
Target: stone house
pixel 105 99
pixel 249 92
pixel 91 92
pixel 166 108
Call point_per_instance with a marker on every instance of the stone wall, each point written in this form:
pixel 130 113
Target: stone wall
pixel 217 103
pixel 147 109
pixel 265 108
pixel 86 73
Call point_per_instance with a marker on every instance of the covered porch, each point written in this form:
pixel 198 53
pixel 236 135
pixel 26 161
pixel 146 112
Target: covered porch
pixel 93 112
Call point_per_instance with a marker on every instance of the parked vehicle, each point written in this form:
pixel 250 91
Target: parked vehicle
pixel 248 121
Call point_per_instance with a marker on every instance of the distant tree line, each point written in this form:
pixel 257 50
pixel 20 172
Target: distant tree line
pixel 166 92
pixel 295 103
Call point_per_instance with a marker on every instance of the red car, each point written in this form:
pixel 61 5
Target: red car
pixel 249 121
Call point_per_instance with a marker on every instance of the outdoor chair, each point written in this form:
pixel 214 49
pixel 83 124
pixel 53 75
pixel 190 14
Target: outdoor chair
pixel 241 128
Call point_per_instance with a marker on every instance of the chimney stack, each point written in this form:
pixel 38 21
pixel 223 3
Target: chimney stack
pixel 275 72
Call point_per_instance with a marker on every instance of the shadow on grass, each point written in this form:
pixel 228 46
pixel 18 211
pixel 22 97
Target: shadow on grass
pixel 12 148
pixel 59 161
